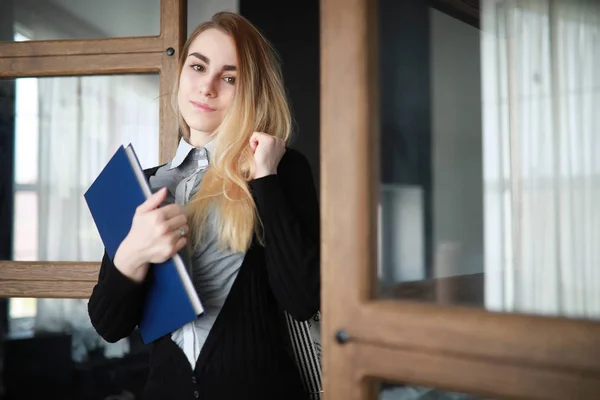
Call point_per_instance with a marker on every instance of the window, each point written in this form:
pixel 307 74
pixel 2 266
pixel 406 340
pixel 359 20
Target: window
pixel 25 228
pixel 66 130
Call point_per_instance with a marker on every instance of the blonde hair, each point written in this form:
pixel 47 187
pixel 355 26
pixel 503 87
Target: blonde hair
pixel 259 104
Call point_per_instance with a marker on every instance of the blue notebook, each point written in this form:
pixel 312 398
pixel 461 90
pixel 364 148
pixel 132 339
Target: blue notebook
pixel 171 300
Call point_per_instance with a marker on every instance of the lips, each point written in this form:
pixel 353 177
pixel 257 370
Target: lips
pixel 203 107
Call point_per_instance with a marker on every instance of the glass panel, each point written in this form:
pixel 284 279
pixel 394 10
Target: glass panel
pixel 391 391
pixel 199 11
pixel 66 130
pixel 22 308
pixel 58 349
pixel 25 232
pixel 489 176
pixel 27 117
pixel 76 19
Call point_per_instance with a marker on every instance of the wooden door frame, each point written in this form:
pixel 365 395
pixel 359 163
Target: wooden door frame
pixel 364 340
pixel 44 58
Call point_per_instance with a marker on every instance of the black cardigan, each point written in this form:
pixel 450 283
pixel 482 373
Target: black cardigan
pixel 245 355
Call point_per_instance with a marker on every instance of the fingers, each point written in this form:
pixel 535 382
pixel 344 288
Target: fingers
pixel 169 247
pixel 257 135
pixel 253 143
pixel 175 236
pixel 176 242
pixel 159 231
pixel 179 244
pixel 255 139
pixel 170 211
pixel 178 222
pixel 170 219
pixel 153 201
pixel 261 138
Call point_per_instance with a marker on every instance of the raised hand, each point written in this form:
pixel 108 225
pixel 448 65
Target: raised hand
pixel 268 151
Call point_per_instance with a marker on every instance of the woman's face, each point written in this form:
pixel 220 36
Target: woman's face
pixel 207 81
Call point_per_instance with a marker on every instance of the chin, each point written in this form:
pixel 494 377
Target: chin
pixel 202 125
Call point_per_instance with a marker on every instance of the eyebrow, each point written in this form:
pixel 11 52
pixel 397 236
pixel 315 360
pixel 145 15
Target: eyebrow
pixel 207 61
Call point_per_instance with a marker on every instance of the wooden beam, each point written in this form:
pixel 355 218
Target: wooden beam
pixel 91 64
pixel 348 196
pixel 173 24
pixel 47 289
pixel 467 375
pixel 61 280
pixel 81 57
pixel 541 342
pixel 48 271
pixel 45 48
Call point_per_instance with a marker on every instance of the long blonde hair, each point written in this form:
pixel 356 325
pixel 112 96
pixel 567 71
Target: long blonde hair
pixel 259 104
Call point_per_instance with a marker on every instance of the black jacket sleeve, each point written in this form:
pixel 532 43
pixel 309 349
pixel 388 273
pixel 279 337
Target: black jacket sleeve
pixel 288 208
pixel 115 307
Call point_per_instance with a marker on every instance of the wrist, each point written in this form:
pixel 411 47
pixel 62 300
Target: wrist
pixel 261 173
pixel 129 262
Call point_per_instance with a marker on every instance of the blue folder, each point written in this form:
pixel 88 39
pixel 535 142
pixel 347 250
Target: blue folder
pixel 171 300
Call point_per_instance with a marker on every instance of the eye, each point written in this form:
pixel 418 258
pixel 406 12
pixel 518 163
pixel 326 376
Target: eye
pixel 230 80
pixel 198 67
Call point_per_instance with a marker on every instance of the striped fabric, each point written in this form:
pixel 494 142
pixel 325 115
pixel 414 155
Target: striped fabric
pixel 306 344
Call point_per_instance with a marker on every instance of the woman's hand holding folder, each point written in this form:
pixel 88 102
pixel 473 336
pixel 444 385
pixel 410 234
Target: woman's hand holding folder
pixel 156 234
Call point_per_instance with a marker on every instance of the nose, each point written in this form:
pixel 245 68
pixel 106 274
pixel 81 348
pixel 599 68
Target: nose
pixel 208 86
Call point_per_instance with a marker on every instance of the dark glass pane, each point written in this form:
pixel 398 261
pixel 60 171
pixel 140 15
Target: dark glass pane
pixel 489 175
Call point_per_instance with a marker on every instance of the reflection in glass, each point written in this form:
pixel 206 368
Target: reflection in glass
pixel 76 19
pixel 62 354
pixel 490 178
pixel 407 392
pixel 431 218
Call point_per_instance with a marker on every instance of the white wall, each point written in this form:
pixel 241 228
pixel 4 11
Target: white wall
pixel 457 146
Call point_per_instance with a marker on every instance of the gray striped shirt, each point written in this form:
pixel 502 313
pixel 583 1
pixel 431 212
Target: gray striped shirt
pixel 213 270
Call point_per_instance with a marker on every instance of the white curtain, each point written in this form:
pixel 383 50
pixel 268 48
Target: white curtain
pixel 82 120
pixel 541 94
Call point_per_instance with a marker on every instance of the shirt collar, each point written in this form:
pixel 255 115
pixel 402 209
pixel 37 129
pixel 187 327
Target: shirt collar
pixel 184 149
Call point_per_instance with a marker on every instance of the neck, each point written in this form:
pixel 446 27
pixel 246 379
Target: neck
pixel 198 138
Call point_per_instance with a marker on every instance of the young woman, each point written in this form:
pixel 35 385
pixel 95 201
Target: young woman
pixel 244 209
